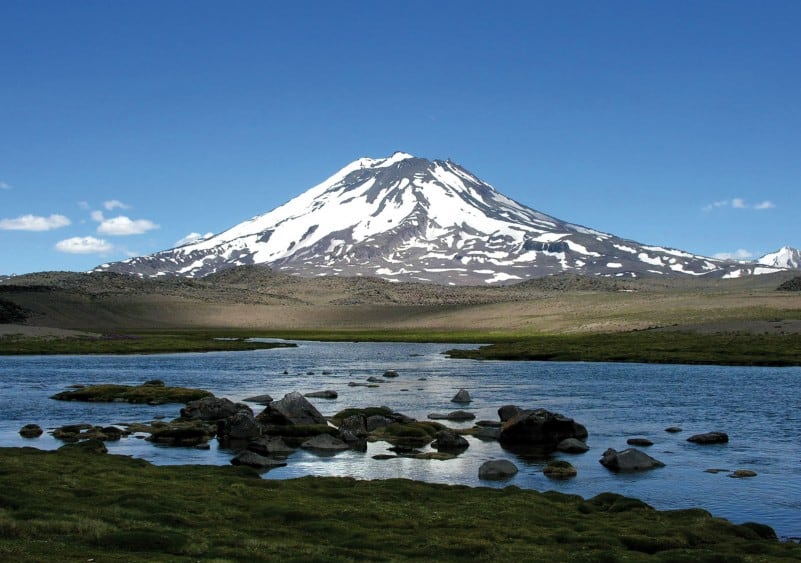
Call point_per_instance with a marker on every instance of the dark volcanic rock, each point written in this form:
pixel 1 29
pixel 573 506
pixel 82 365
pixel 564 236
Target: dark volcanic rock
pixel 673 429
pixel 709 438
pixel 540 428
pixel 252 459
pixel 630 459
pixel 269 446
pixel 212 408
pixel 572 446
pixel 31 431
pixel 239 426
pixel 327 394
pixel 260 399
pixel 508 411
pixel 461 397
pixel 642 442
pixel 450 441
pixel 325 442
pixel 292 409
pixel 497 469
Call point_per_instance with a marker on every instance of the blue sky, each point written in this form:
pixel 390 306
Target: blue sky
pixel 125 126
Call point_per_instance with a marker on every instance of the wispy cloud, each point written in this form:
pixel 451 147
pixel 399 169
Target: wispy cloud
pixel 84 245
pixel 4 185
pixel 34 223
pixel 193 237
pixel 741 254
pixel 123 226
pixel 739 203
pixel 113 204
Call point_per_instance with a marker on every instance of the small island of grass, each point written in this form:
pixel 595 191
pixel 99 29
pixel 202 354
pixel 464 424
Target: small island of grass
pixel 151 392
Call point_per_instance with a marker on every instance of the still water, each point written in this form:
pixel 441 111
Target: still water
pixel 760 409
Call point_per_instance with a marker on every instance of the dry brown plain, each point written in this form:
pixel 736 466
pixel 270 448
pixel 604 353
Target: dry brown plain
pixel 252 298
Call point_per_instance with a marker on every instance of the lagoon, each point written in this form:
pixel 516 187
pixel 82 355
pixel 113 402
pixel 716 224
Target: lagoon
pixel 759 407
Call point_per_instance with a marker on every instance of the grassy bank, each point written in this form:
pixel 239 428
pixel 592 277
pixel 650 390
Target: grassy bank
pixel 130 343
pixel 73 505
pixel 665 347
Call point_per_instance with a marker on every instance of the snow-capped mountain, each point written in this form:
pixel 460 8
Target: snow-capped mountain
pixel 785 257
pixel 410 219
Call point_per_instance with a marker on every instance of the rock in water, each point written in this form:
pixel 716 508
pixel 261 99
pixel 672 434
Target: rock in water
pixel 449 441
pixel 327 394
pixel 630 459
pixel 325 442
pixel 31 431
pixel 572 446
pixel 292 409
pixel 497 469
pixel 253 459
pixel 506 412
pixel 212 408
pixel 540 428
pixel 709 438
pixel 461 397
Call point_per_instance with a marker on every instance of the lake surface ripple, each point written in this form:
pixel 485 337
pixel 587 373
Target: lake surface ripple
pixel 759 407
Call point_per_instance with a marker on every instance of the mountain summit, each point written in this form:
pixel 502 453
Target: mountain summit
pixel 785 257
pixel 410 219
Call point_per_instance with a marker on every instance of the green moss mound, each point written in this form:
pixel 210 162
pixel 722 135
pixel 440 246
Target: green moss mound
pixel 149 393
pixel 70 505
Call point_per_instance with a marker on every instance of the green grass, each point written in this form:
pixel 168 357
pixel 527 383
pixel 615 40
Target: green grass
pixel 667 347
pixel 150 393
pixel 132 343
pixel 71 505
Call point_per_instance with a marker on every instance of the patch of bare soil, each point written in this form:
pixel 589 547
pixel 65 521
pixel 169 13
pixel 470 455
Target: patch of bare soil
pixel 10 330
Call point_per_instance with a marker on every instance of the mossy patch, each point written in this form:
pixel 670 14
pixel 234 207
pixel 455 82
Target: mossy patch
pixel 70 505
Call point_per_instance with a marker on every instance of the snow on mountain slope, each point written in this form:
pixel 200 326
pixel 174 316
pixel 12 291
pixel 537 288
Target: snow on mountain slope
pixel 785 257
pixel 411 219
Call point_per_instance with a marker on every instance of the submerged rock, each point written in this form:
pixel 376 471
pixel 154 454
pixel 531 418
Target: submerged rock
pixel 327 394
pixel 739 473
pixel 709 438
pixel 391 373
pixel 643 442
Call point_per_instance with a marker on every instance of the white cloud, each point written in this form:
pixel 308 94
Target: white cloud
pixel 113 204
pixel 4 185
pixel 84 205
pixel 739 203
pixel 741 254
pixel 84 245
pixel 122 225
pixel 193 237
pixel 34 223
pixel 97 216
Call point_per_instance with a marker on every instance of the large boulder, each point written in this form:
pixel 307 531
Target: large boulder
pixel 497 469
pixel 630 459
pixel 353 431
pixel 540 429
pixel 449 441
pixel 239 426
pixel 212 408
pixel 293 409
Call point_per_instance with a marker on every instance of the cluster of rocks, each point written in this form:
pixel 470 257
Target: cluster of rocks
pixel 266 439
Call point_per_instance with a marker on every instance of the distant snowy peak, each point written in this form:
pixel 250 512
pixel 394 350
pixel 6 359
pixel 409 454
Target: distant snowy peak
pixel 785 257
pixel 404 218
